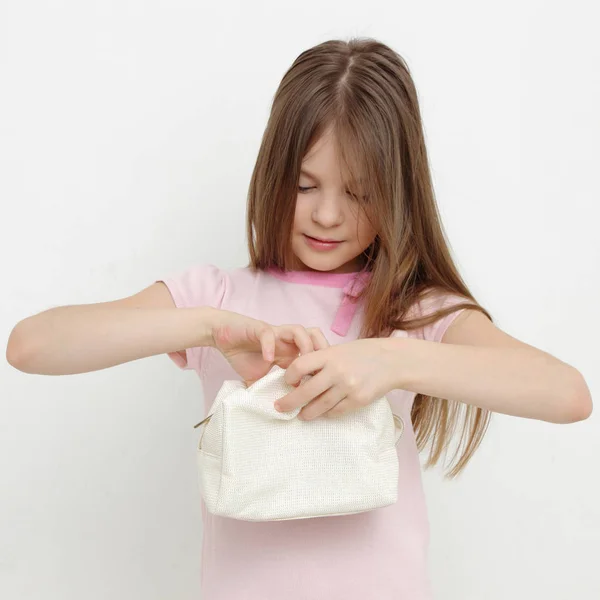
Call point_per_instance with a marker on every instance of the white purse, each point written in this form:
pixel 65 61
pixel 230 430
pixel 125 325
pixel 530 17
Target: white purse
pixel 257 464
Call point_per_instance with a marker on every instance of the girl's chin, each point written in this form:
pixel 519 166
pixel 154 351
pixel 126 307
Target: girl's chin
pixel 315 261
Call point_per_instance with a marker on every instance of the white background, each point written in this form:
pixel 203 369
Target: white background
pixel 128 133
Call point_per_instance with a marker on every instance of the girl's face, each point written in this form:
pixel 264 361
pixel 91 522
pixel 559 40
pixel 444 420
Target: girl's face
pixel 330 231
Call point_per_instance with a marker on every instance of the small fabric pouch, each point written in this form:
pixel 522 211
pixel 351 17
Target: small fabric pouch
pixel 257 464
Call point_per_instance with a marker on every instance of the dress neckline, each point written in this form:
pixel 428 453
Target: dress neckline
pixel 323 278
pixel 351 283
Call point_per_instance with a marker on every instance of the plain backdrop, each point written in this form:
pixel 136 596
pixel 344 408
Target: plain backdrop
pixel 128 134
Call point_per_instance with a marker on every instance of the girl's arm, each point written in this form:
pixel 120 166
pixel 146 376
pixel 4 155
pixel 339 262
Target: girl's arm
pixel 481 365
pixel 88 337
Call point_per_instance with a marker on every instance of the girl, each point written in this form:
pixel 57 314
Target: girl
pixel 350 279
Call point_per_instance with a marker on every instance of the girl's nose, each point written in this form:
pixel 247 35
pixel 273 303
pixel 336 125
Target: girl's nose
pixel 328 211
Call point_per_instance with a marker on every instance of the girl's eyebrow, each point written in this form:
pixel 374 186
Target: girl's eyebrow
pixel 314 177
pixel 308 174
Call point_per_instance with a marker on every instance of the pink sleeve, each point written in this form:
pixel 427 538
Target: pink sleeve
pixel 200 285
pixel 436 330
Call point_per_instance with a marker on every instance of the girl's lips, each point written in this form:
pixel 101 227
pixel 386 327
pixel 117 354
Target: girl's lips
pixel 319 245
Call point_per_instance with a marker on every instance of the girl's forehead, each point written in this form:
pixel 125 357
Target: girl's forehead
pixel 345 159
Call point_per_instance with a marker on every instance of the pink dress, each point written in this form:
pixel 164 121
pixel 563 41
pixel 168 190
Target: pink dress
pixel 376 555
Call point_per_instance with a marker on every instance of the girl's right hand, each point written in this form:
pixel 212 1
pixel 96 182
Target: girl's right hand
pixel 253 346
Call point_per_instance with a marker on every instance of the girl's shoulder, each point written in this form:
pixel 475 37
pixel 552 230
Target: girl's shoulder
pixel 435 299
pixel 197 285
pixel 431 302
pixel 206 284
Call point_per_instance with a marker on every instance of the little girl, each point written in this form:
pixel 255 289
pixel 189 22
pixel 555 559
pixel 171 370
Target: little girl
pixel 351 280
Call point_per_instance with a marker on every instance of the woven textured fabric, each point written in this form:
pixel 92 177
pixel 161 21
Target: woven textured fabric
pixel 257 464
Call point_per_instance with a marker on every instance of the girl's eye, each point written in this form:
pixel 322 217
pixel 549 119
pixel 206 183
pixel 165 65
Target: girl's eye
pixel 304 189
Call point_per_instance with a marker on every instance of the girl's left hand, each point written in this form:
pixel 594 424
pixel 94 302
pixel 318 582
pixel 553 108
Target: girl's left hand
pixel 346 377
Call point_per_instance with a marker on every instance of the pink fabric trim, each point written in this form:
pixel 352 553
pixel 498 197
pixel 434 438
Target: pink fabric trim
pixel 314 277
pixel 345 314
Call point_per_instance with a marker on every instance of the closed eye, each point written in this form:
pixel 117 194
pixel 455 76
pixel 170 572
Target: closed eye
pixel 304 189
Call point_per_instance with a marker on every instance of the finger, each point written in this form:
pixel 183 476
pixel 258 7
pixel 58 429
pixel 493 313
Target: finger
pixel 322 405
pixel 285 361
pixel 318 338
pixel 341 408
pixel 267 343
pixel 298 335
pixel 305 365
pixel 304 393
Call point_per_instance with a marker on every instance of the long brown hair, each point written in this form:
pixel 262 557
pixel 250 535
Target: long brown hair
pixel 364 91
